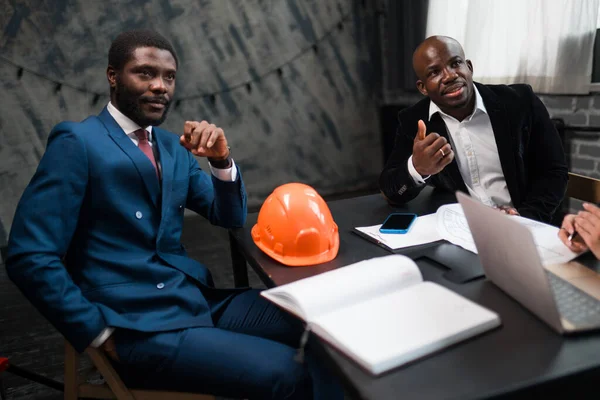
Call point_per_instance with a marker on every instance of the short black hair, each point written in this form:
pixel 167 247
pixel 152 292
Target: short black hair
pixel 125 44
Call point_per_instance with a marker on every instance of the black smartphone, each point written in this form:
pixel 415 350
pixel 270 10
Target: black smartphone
pixel 398 223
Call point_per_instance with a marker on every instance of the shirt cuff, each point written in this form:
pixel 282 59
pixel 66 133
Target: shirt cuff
pixel 102 337
pixel 416 177
pixel 227 174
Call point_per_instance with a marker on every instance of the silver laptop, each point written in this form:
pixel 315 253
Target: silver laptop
pixel 510 260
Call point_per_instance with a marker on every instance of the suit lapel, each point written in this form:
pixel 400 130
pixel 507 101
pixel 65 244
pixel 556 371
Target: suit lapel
pixel 503 134
pixel 139 159
pixel 166 162
pixel 451 171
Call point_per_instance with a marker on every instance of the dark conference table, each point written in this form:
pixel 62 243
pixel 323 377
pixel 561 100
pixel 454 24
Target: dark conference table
pixel 522 358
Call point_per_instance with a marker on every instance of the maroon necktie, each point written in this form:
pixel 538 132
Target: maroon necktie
pixel 144 146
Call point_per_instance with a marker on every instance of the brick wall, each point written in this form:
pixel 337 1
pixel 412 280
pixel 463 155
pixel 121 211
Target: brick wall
pixel 583 147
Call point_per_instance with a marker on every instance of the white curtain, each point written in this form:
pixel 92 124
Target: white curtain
pixel 545 43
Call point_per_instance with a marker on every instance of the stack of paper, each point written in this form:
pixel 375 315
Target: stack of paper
pixel 449 223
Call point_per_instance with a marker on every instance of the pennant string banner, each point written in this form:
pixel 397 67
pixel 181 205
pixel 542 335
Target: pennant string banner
pixel 279 70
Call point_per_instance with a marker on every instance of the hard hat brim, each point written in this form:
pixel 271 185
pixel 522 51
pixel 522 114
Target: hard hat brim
pixel 291 261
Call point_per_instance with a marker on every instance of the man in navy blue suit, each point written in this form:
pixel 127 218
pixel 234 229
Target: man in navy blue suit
pixel 95 246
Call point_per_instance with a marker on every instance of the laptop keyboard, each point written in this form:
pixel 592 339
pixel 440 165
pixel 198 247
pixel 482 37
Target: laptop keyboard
pixel 576 306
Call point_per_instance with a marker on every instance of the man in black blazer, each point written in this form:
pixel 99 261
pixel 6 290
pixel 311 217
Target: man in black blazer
pixel 495 142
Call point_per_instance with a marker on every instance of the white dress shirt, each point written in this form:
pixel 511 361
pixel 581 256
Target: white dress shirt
pixel 129 127
pixel 476 153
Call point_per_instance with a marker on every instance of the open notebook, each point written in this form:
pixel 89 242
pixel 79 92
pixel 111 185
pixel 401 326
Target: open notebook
pixel 381 313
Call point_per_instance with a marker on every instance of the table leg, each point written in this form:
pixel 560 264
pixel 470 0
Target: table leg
pixel 2 390
pixel 238 261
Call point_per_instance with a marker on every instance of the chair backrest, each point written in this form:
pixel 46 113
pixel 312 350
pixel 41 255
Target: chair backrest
pixel 583 188
pixel 114 388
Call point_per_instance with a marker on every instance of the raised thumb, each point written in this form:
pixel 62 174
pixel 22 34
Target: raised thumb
pixel 421 132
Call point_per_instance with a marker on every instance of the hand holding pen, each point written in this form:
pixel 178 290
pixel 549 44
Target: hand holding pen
pixel 581 231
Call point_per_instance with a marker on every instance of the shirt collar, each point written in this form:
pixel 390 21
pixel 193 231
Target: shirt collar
pixel 125 122
pixel 433 108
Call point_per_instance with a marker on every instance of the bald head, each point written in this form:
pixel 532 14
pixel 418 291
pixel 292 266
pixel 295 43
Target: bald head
pixel 430 47
pixel 444 75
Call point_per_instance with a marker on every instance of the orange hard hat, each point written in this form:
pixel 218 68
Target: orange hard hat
pixel 295 227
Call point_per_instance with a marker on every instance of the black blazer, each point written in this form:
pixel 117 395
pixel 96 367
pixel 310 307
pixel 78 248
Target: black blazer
pixel 531 153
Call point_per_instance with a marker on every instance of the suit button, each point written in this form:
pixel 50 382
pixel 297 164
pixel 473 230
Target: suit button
pixel 138 214
pixel 160 285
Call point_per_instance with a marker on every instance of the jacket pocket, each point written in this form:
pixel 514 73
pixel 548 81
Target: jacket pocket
pixel 179 192
pixel 103 287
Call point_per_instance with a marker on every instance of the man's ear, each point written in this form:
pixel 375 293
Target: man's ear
pixel 422 88
pixel 470 65
pixel 111 75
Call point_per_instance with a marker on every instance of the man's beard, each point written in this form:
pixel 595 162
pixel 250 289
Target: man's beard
pixel 129 104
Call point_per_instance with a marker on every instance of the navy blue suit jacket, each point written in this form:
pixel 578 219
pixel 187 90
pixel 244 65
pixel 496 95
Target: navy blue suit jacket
pixel 95 241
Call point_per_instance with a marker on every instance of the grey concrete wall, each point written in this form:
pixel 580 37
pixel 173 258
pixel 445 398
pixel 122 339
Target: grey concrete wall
pixel 317 123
